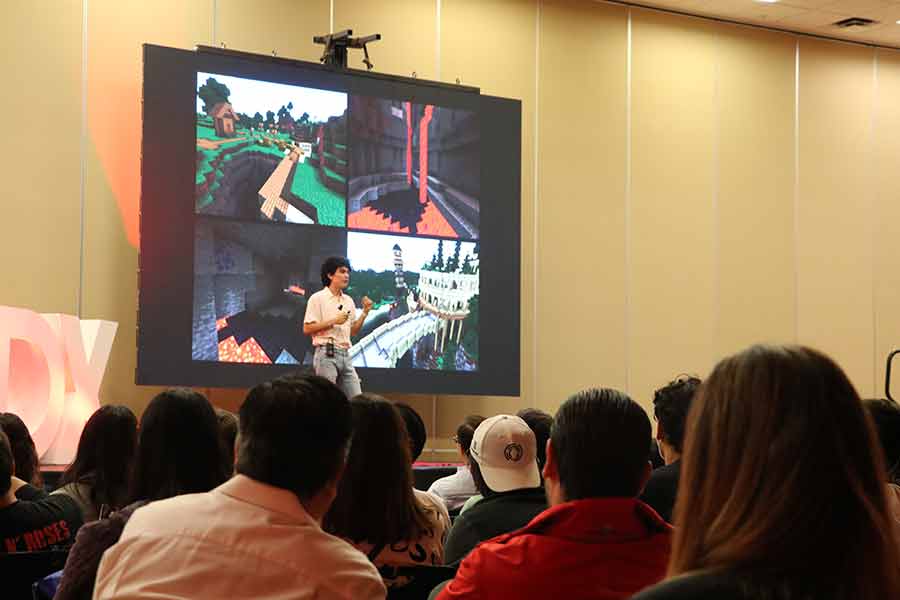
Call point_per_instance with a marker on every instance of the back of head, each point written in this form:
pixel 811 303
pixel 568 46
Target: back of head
pixel 6 463
pixel 886 415
pixel 378 479
pixel 23 449
pixel 105 455
pixel 671 404
pixel 415 428
pixel 540 423
pixel 178 447
pixel 294 433
pixel 466 430
pixel 228 431
pixel 784 427
pixel 601 442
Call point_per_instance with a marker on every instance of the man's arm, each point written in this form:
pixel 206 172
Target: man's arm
pixel 314 328
pixel 357 324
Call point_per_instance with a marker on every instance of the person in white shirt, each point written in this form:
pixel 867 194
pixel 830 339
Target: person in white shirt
pixel 331 320
pixel 257 535
pixel 455 489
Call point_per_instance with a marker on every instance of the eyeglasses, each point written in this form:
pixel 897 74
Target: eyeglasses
pixel 455 439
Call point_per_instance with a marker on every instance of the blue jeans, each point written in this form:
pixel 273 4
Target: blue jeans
pixel 338 370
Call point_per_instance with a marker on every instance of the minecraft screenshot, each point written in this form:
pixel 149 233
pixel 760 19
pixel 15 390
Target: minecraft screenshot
pixel 414 168
pixel 270 152
pixel 251 283
pixel 426 295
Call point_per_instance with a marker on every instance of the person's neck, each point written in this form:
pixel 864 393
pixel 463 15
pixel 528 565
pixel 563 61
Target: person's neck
pixel 335 291
pixel 671 456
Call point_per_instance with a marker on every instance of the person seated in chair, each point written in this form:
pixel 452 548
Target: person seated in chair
pixel 32 526
pixel 503 463
pixel 597 540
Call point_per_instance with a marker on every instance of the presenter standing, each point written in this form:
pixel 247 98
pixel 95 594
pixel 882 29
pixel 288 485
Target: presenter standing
pixel 330 320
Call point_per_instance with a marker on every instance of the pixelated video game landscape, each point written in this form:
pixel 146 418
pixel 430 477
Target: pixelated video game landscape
pixel 270 151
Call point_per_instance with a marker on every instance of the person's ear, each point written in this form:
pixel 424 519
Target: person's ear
pixel 551 469
pixel 660 432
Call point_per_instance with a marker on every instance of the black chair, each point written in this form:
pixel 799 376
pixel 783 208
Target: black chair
pixel 423 579
pixel 423 477
pixel 21 569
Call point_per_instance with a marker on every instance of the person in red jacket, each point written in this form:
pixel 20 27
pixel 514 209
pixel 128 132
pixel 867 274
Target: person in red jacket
pixel 597 540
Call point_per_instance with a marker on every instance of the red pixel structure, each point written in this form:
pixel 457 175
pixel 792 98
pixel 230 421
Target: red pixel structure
pixel 248 352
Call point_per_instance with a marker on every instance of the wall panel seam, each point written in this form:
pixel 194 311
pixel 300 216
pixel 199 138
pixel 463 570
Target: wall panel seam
pixel 535 203
pixel 716 183
pixel 628 100
pixel 797 191
pixel 873 195
pixel 79 302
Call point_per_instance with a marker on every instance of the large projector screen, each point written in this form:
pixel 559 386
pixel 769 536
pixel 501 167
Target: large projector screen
pixel 257 169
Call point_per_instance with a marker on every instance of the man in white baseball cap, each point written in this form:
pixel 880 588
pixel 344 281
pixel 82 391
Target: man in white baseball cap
pixel 503 462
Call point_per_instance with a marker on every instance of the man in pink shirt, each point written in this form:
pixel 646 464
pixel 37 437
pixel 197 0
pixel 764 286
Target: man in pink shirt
pixel 331 319
pixel 257 535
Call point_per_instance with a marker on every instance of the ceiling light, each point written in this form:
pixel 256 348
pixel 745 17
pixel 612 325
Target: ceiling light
pixel 766 1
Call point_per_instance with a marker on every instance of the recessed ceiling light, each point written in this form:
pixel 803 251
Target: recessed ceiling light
pixel 766 1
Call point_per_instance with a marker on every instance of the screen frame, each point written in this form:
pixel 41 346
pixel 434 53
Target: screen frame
pixel 165 261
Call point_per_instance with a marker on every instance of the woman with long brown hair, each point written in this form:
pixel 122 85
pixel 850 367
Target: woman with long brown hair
pixel 781 494
pixel 376 508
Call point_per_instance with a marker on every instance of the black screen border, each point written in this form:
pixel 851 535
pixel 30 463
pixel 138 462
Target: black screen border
pixel 165 263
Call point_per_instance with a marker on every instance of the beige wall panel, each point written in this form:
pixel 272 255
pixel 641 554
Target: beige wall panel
pixel 286 26
pixel 40 55
pixel 408 34
pixel 835 205
pixel 116 31
pixel 671 296
pixel 887 219
pixel 582 184
pixel 491 44
pixel 755 266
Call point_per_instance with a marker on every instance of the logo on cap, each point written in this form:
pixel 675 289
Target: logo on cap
pixel 513 452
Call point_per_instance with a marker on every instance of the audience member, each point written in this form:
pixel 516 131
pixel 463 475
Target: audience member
pixel 31 526
pixel 455 489
pixel 415 429
pixel 671 404
pixel 886 415
pixel 30 485
pixel 258 534
pixel 597 540
pixel 376 508
pixel 98 478
pixel 228 432
pixel 540 423
pixel 782 491
pixel 503 463
pixel 178 452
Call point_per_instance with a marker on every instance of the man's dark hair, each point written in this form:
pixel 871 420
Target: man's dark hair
pixel 105 455
pixel 415 428
pixel 466 431
pixel 7 467
pixel 671 404
pixel 330 267
pixel 23 449
pixel 886 416
pixel 601 442
pixel 178 447
pixel 540 423
pixel 294 433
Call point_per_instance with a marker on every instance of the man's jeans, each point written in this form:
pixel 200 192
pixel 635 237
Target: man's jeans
pixel 338 370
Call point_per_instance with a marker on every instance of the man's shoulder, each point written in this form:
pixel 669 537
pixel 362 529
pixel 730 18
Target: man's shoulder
pixel 318 296
pixel 177 511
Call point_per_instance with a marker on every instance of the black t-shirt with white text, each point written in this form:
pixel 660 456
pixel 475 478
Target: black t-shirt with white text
pixel 39 525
